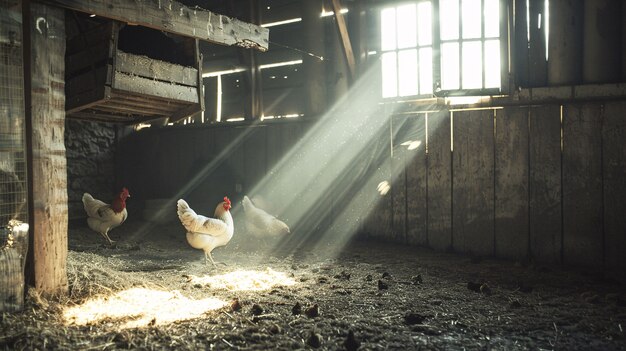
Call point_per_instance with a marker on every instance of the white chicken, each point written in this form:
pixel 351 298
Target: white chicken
pixel 206 233
pixel 103 217
pixel 260 223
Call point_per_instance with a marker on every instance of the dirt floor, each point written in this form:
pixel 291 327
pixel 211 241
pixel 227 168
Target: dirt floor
pixel 152 291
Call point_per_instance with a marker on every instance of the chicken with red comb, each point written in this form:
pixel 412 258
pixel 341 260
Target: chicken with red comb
pixel 102 217
pixel 206 233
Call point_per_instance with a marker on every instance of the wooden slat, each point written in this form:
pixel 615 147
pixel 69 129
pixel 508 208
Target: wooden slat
pixel 545 183
pixel 473 182
pixel 254 158
pixel 439 181
pixel 94 56
pixel 49 166
pixel 93 36
pixel 86 99
pixel 614 175
pixel 91 80
pixel 511 183
pixel 174 17
pixel 398 183
pixel 416 186
pixel 138 85
pixel 155 69
pixel 582 185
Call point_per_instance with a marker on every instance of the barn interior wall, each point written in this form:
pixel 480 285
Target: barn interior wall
pixel 90 150
pixel 539 183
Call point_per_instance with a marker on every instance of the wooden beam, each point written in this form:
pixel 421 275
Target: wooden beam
pixel 345 38
pixel 174 17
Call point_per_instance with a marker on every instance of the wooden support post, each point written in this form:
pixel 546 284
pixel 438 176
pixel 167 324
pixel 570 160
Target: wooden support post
pixel 48 213
pixel 601 57
pixel 315 73
pixel 345 38
pixel 565 43
pixel 520 55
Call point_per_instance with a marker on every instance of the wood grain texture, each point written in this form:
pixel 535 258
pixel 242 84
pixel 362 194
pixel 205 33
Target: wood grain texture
pixel 174 17
pixel 473 182
pixel 416 186
pixel 511 183
pixel 614 175
pixel 49 164
pixel 582 185
pixel 545 183
pixel 439 181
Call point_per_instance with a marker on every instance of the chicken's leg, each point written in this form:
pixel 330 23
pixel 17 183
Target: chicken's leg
pixel 207 257
pixel 106 236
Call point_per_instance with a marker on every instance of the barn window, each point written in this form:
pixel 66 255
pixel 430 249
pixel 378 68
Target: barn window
pixel 462 55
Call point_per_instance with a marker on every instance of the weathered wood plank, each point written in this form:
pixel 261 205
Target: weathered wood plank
pixel 155 69
pixel 398 183
pixel 538 66
pixel 102 33
pixel 174 17
pixel 88 81
pixel 95 56
pixel 439 175
pixel 614 175
pixel 255 157
pixel 511 183
pixel 545 183
pixel 473 182
pixel 416 186
pixel 582 185
pixel 138 85
pixel 49 175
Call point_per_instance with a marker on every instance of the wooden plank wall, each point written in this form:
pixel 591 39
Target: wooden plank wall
pixel 538 182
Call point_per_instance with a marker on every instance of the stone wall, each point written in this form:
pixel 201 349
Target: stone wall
pixel 90 162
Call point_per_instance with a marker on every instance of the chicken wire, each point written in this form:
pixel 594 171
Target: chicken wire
pixel 12 117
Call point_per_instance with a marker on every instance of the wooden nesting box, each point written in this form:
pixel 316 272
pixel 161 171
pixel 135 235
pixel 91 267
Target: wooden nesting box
pixel 104 83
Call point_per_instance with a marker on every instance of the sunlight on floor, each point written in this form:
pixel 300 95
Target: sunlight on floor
pixel 246 280
pixel 139 307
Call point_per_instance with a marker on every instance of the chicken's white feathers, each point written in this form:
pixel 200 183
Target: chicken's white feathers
pixel 260 223
pixel 101 217
pixel 203 232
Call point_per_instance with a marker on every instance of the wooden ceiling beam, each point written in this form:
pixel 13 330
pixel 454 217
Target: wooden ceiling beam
pixel 176 18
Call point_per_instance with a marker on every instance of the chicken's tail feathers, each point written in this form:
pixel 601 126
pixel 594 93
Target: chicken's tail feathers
pixel 185 214
pixel 87 197
pixel 246 203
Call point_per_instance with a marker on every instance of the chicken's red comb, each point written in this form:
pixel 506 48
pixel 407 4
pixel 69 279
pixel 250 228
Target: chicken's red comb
pixel 226 200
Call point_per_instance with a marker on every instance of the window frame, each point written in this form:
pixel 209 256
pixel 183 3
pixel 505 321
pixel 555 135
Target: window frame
pixel 436 45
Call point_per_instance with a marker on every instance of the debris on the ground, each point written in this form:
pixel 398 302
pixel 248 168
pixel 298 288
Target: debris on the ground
pixel 386 275
pixel 485 289
pixel 369 278
pixel 296 309
pixel 411 318
pixel 256 310
pixel 235 305
pixel 382 285
pixel 312 311
pixel 416 279
pixel 351 343
pixel 314 339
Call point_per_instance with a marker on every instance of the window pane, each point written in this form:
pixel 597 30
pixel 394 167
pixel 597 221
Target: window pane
pixel 492 18
pixel 449 66
pixel 472 65
pixel 426 71
pixel 471 18
pixel 424 21
pixel 492 64
pixel 388 29
pixel 449 19
pixel 390 75
pixel 407 26
pixel 407 77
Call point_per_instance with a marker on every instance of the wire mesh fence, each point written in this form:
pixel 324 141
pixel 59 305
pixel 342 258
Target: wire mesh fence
pixel 12 120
